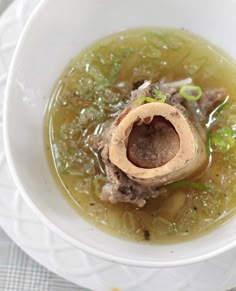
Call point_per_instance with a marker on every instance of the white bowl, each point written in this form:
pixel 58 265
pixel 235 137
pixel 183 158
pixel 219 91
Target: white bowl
pixel 57 31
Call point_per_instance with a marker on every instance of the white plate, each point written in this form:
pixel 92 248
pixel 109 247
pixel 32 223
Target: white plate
pixel 47 248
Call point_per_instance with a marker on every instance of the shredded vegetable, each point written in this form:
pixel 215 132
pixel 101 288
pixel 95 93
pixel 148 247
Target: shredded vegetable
pixel 190 92
pixel 199 186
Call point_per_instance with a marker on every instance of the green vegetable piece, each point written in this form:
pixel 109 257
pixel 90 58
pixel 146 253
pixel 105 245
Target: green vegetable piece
pixel 226 131
pixel 195 185
pixel 218 142
pixel 114 72
pixel 190 92
pixel 101 87
pixel 160 95
pixel 147 99
pixel 223 140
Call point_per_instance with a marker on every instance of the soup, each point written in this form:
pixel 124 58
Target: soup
pixel 91 94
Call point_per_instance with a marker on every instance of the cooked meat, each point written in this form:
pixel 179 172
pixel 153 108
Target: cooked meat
pixel 145 148
pixel 122 189
pixel 210 99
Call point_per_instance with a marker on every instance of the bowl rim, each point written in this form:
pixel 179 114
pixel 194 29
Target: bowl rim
pixel 42 216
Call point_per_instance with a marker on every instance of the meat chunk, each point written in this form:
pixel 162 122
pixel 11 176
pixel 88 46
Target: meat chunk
pixel 122 189
pixel 142 150
pixel 210 99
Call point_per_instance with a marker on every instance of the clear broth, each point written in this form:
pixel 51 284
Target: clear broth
pixel 94 88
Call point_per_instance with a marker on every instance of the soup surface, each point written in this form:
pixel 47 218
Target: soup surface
pixel 96 86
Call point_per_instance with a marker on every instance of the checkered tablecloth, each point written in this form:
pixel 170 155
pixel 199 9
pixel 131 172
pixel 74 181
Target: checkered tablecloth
pixel 18 272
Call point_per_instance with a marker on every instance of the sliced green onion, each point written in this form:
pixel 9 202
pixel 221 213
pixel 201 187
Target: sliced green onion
pixel 148 99
pixel 221 144
pixel 226 131
pixel 101 87
pixel 198 186
pixel 190 92
pixel 114 72
pixel 159 94
pixel 222 140
pixel 145 99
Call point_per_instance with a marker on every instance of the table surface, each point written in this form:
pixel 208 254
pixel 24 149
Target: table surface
pixel 18 272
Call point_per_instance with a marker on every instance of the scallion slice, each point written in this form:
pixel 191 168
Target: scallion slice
pixel 223 140
pixel 145 99
pixel 195 185
pixel 160 95
pixel 190 92
pixel 148 100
